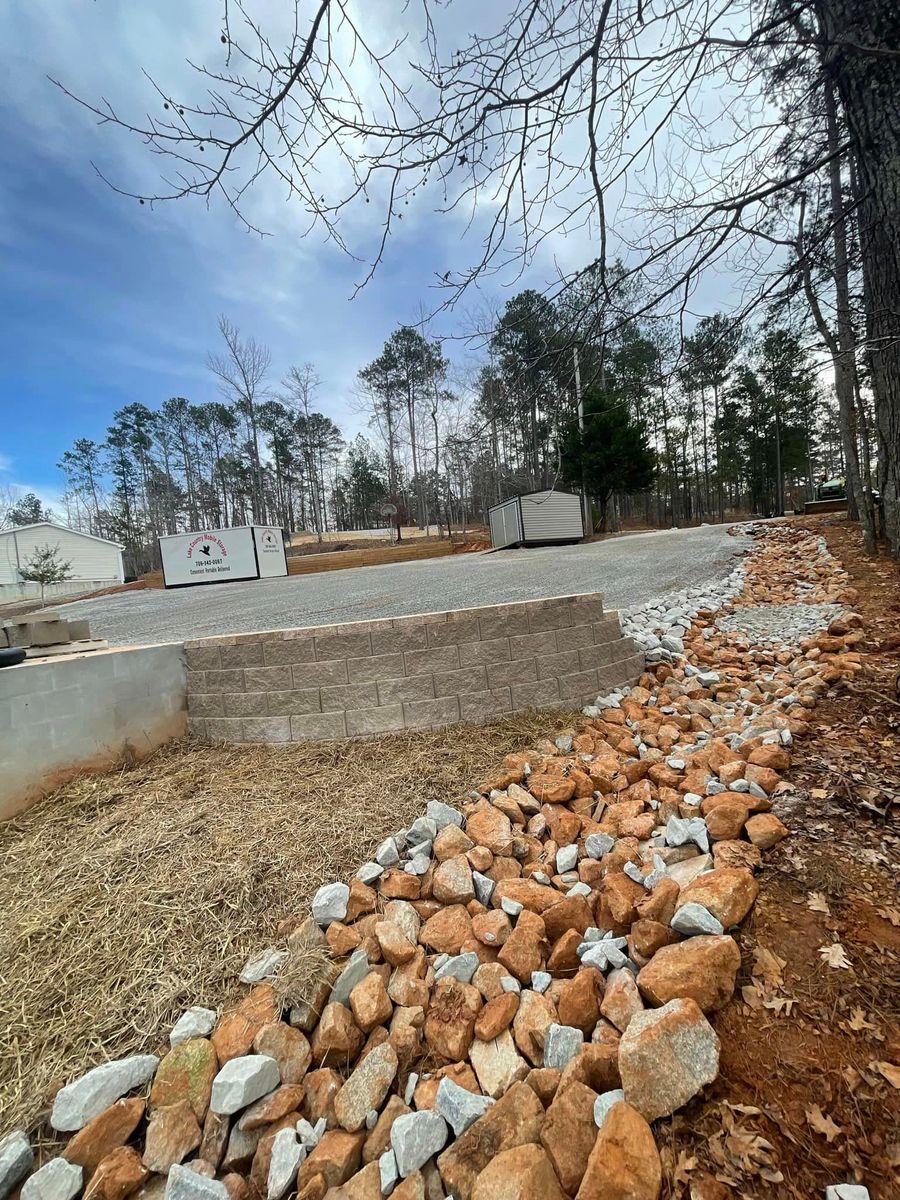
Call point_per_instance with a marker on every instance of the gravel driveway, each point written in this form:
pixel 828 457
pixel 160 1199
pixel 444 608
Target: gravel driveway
pixel 628 570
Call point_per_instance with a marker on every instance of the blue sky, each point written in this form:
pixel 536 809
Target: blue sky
pixel 107 302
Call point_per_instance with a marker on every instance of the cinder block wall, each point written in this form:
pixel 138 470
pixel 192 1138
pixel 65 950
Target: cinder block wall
pixel 84 712
pixel 407 673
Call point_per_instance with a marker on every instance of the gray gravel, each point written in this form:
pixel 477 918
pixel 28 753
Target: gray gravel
pixel 628 570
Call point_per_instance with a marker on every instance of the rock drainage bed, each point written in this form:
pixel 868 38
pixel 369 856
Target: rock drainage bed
pixel 504 1000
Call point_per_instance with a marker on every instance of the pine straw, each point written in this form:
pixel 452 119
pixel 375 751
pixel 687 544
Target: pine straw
pixel 128 897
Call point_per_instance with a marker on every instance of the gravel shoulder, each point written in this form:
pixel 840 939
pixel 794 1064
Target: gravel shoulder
pixel 628 571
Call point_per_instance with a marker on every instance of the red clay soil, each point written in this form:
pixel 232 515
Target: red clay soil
pixel 808 1091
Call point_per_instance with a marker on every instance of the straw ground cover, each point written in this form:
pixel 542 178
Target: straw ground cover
pixel 128 897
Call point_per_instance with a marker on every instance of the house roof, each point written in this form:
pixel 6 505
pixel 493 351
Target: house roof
pixel 65 529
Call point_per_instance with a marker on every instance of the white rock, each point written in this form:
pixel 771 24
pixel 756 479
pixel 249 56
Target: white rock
pixel 442 814
pixel 509 983
pixel 185 1184
pixel 497 1064
pixel 540 981
pixel 387 1170
pixel 387 853
pixel 578 889
pixel 604 1103
pixel 460 966
pixel 262 966
pixel 16 1157
pixel 55 1180
pixel 370 872
pixel 692 918
pixel 566 858
pixel 511 907
pixel 371 1119
pixel 243 1080
pixel 306 1133
pixel 561 1044
pixel 354 972
pixel 196 1022
pixel 418 864
pixel 459 1107
pixel 846 1191
pixel 412 1081
pixel 287 1154
pixel 602 955
pixel 598 844
pixel 87 1097
pixel 687 870
pixel 484 887
pixel 416 1137
pixel 330 903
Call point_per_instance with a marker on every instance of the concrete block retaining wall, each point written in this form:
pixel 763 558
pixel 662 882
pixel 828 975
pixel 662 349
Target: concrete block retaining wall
pixel 412 672
pixel 85 712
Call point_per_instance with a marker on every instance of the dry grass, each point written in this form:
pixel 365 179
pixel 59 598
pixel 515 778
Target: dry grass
pixel 129 897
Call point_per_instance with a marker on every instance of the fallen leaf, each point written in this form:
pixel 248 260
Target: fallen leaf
pixel 823 1124
pixel 858 1022
pixel 684 1166
pixel 817 903
pixel 768 965
pixel 890 914
pixel 889 1070
pixel 835 956
pixel 818 793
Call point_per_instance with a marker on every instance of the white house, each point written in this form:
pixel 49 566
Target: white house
pixel 94 562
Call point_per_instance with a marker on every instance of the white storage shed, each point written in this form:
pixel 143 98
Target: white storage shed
pixel 543 518
pixel 94 562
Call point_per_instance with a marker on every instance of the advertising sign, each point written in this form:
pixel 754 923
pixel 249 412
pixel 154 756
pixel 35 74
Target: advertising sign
pixel 269 551
pixel 209 556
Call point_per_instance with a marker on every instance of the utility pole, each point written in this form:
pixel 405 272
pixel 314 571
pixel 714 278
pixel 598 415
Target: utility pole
pixel 586 517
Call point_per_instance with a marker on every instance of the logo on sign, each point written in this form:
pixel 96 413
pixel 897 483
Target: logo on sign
pixel 206 546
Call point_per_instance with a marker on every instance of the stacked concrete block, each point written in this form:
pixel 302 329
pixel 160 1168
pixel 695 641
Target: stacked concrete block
pixel 45 632
pixel 416 672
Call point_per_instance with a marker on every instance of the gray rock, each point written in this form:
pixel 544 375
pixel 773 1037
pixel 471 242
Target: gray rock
pixel 634 872
pixel 388 1173
pixel 682 830
pixel 287 1154
pixel 561 1044
pixel 578 889
pixel 412 1081
pixel 416 1137
pixel 262 966
pixel 598 844
pixel 692 918
pixel 243 1080
pixel 418 864
pixel 666 1055
pixel 55 1180
pixel 564 744
pixel 370 872
pixel 330 903
pixel 460 966
pixel 306 1133
pixel 196 1022
pixel 690 868
pixel 604 1103
pixel 459 1107
pixel 602 955
pixel 566 858
pixel 366 1088
pixel 484 887
pixel 16 1157
pixel 442 814
pixel 540 981
pixel 423 829
pixel 511 907
pixel 846 1191
pixel 509 983
pixel 387 854
pixel 87 1097
pixel 371 1119
pixel 354 972
pixel 185 1184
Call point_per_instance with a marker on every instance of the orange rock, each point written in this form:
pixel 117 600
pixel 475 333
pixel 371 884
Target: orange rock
pixel 726 820
pixel 771 755
pixel 489 827
pixel 624 1163
pixel 763 777
pixel 666 1057
pixel 514 1121
pixel 496 1016
pixel 336 1040
pixel 450 842
pixel 289 1047
pixel 765 830
pixel 336 1158
pixel 379 1139
pixel 549 789
pixel 272 1107
pixel 450 1021
pixel 573 912
pixel 452 883
pixel 492 928
pixel 107 1131
pixel 727 892
pixel 621 894
pixel 524 1173
pixel 342 939
pixel 579 1001
pixel 737 854
pixel 186 1073
pixel 446 931
pixel 525 949
pixel 648 936
pixel 370 1003
pixel 701 968
pixel 568 1134
pixel 362 900
pixel 238 1027
pixel 120 1173
pixel 621 998
pixel 535 1015
pixel 172 1133
pixel 426 1089
pixel 596 1065
pixel 533 896
pixel 564 955
pixel 544 1082
pixel 395 946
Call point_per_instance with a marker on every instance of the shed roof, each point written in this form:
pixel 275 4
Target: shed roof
pixel 65 529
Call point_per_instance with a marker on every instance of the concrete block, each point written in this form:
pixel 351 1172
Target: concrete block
pixel 267 679
pixel 505 674
pixel 574 637
pixel 427 662
pixel 458 628
pixel 287 651
pixel 375 720
pixel 461 682
pixel 224 730
pixel 79 631
pixel 202 657
pixel 247 704
pixel 393 691
pixel 551 615
pixel 607 630
pixel 349 695
pixel 4 638
pixel 222 681
pixel 535 695
pixel 243 654
pixel 552 666
pixel 297 703
pixel 377 666
pixel 533 645
pixel 38 633
pixel 395 640
pixel 324 725
pixel 422 714
pixel 593 657
pixel 588 609
pixel 473 654
pixel 485 705
pixel 320 674
pixel 501 620
pixel 40 614
pixel 345 644
pixel 578 685
pixel 196 728
pixel 266 729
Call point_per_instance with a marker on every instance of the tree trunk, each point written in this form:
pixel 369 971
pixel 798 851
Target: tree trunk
pixel 868 84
